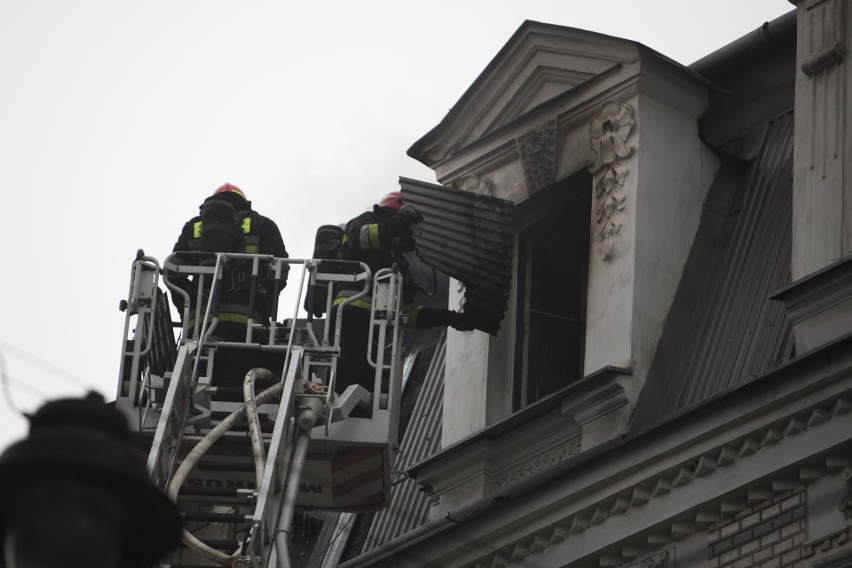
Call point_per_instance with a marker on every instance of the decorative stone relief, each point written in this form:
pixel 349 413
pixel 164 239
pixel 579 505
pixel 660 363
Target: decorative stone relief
pixel 475 184
pixel 725 510
pixel 538 464
pixel 460 289
pixel 658 560
pixel 836 540
pixel 846 503
pixel 823 63
pixel 824 59
pixel 825 36
pixel 609 132
pixel 537 149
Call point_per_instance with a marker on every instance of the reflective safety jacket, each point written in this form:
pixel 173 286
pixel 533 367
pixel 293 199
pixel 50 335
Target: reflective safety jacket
pixel 377 238
pixel 252 242
pixel 261 236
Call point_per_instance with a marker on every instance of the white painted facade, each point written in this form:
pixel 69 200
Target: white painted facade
pixel 650 108
pixel 758 475
pixel 630 290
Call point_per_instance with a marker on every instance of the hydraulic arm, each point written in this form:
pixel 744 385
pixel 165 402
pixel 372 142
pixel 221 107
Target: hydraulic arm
pixel 236 461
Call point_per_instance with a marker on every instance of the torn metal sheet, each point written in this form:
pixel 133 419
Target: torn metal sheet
pixel 470 237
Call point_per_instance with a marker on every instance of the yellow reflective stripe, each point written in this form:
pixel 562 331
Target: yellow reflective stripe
pixel 232 317
pixel 252 249
pixel 373 232
pixel 412 316
pixel 232 312
pixel 355 303
pixel 196 227
pixel 225 316
pixel 364 237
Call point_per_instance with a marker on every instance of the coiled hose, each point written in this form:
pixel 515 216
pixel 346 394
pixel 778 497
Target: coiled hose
pixel 207 442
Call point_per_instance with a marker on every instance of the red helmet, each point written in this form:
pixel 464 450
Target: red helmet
pixel 392 200
pixel 231 187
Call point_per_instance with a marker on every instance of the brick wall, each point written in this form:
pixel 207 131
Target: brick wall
pixel 769 535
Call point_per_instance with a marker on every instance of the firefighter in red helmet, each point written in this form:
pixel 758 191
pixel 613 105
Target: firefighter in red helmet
pixel 392 200
pixel 229 187
pixel 379 238
pixel 227 223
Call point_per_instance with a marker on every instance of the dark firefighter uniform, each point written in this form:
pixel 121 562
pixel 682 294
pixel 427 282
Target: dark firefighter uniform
pixel 228 223
pixel 260 235
pixel 379 238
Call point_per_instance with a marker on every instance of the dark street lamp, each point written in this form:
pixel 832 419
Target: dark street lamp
pixel 75 493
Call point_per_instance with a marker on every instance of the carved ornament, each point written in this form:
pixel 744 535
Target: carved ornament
pixel 846 503
pixel 475 184
pixel 824 35
pixel 609 139
pixel 837 540
pixel 649 489
pixel 537 150
pixel 658 560
pixel 824 59
pixel 539 464
pixel 461 291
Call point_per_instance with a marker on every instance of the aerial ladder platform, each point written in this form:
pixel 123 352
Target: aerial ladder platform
pixel 238 460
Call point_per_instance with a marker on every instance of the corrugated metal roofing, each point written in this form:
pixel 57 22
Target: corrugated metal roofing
pixel 409 507
pixel 723 329
pixel 469 237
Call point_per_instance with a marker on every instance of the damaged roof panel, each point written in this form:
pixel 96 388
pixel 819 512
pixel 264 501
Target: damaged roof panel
pixel 471 238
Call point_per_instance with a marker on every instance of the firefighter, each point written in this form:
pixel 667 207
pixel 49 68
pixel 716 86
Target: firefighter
pixel 227 223
pixel 379 238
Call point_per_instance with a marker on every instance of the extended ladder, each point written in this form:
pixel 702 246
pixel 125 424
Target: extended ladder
pixel 239 467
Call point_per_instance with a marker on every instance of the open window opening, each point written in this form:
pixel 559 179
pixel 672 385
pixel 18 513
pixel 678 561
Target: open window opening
pixel 553 256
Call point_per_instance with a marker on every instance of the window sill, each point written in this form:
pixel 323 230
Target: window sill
pixel 565 423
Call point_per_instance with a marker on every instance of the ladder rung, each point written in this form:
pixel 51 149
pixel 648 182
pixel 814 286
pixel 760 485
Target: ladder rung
pixel 216 491
pixel 226 394
pixel 265 421
pixel 187 565
pixel 228 545
pixel 247 465
pixel 237 439
pixel 202 517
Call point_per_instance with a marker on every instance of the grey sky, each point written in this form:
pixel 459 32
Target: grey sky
pixel 117 118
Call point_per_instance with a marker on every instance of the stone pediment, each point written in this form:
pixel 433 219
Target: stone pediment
pixel 539 63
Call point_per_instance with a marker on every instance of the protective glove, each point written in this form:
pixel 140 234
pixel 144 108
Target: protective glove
pixel 462 322
pixel 410 214
pixel 424 318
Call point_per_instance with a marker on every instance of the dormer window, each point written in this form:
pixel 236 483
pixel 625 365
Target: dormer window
pixel 553 247
pixel 594 143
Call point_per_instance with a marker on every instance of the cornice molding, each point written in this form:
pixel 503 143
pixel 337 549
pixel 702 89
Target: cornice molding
pixel 707 463
pixel 537 464
pixel 656 560
pixel 827 543
pixel 819 304
pixel 825 35
pixel 572 110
